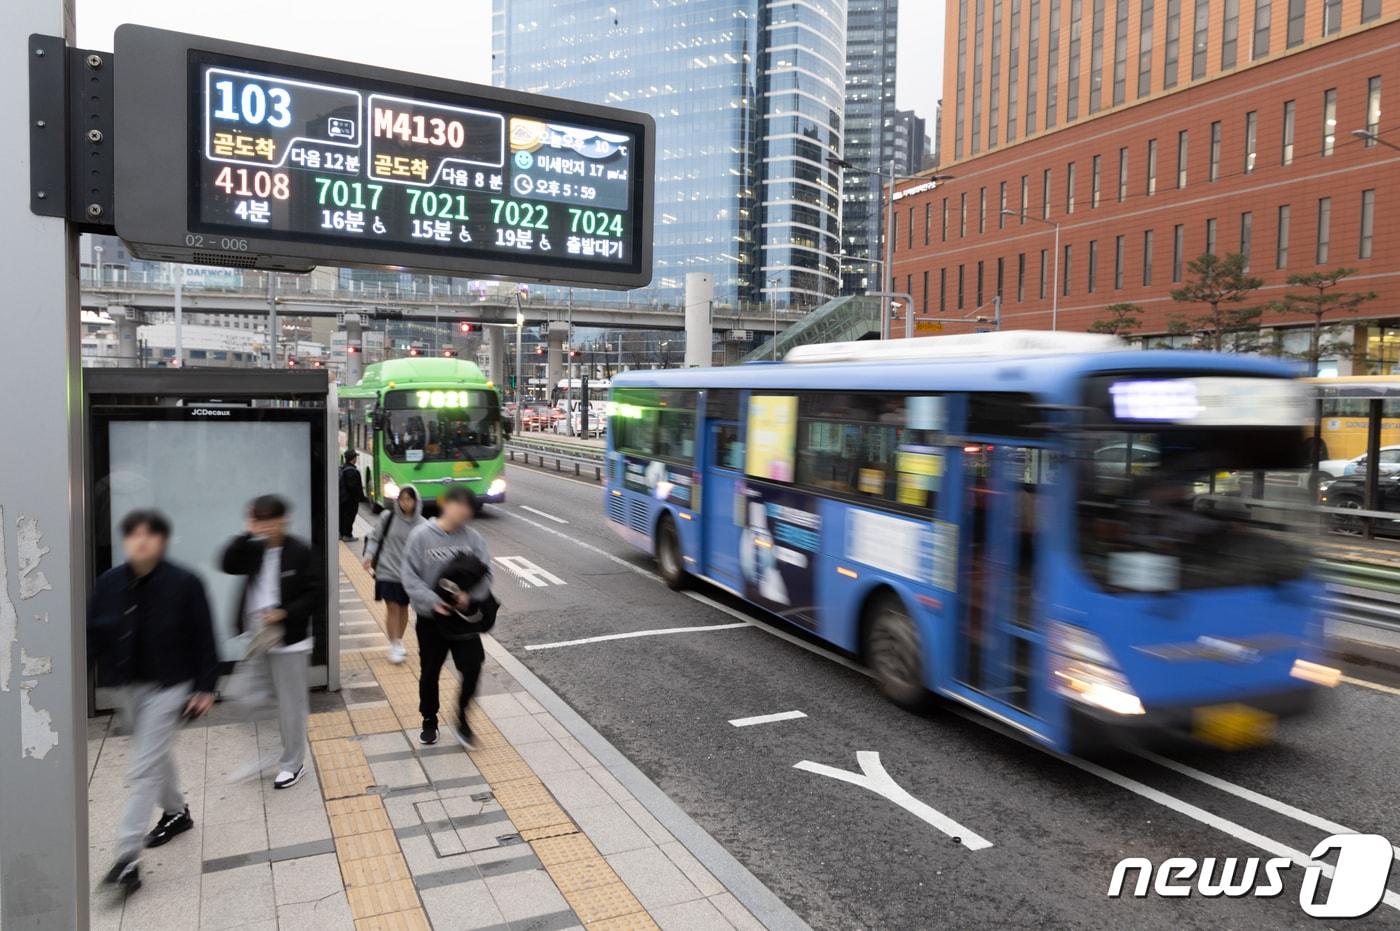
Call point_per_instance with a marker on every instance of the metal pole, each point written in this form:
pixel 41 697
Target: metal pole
pixel 179 316
pixel 519 359
pixel 569 373
pixel 888 270
pixel 1055 294
pixel 274 326
pixel 908 319
pixel 996 302
pixel 43 579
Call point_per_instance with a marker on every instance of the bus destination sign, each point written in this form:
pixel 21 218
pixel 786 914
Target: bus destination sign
pixel 286 158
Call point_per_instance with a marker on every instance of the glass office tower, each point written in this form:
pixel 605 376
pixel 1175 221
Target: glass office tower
pixel 748 98
pixel 870 136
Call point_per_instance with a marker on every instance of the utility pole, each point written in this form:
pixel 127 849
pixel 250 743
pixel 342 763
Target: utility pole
pixel 888 270
pixel 519 359
pixel 179 316
pixel 274 327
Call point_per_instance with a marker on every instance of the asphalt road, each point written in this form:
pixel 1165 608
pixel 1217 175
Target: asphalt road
pixel 845 857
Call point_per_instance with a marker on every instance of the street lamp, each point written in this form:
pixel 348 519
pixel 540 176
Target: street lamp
pixel 890 181
pixel 1363 134
pixel 97 250
pixel 1055 283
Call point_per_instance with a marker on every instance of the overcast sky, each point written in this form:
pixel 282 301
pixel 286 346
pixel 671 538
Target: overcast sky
pixel 449 38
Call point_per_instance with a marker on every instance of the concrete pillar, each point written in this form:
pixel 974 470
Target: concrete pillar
pixel 496 354
pixel 554 356
pixel 127 322
pixel 699 300
pixel 354 340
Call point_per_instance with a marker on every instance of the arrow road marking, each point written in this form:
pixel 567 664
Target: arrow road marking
pixel 529 574
pixel 873 777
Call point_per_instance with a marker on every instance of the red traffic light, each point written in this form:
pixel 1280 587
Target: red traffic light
pixel 291 362
pixel 318 364
pixel 449 353
pixel 464 327
pixel 539 350
pixel 352 349
pixel 414 351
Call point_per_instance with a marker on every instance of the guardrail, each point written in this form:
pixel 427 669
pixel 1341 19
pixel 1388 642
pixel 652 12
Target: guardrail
pixel 1361 593
pixel 562 455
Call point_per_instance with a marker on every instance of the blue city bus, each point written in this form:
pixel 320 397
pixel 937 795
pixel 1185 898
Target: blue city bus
pixel 1050 528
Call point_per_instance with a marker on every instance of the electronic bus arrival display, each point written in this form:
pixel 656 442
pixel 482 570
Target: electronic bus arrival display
pixel 289 157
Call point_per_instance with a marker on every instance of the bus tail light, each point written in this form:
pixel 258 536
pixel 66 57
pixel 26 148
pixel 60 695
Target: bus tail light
pixel 1082 668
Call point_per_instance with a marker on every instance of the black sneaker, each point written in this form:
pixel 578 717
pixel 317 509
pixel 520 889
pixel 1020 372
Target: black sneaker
pixel 286 778
pixel 126 873
pixel 463 733
pixel 430 731
pixel 169 825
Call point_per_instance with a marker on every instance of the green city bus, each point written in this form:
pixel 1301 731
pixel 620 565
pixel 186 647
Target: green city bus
pixel 425 422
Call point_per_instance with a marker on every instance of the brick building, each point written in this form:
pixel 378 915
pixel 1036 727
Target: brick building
pixel 1183 128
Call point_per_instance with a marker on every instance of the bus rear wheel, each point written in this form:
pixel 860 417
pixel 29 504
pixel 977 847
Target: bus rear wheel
pixel 895 654
pixel 668 554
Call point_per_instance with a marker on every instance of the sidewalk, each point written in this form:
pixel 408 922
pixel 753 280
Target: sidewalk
pixel 529 830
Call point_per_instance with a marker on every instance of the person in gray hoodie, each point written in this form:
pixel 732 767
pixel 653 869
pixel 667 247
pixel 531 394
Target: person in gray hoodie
pixel 384 555
pixel 431 547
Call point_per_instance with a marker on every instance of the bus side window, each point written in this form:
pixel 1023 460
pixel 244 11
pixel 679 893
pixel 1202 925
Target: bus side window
pixel 728 452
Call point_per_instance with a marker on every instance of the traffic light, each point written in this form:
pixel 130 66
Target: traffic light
pixel 352 349
pixel 449 353
pixel 291 362
pixel 573 353
pixel 318 364
pixel 414 351
pixel 539 350
pixel 464 327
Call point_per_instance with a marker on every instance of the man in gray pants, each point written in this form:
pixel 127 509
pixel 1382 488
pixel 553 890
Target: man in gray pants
pixel 150 634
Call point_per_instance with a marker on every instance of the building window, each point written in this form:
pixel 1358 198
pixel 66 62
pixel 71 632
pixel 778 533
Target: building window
pixel 1331 16
pixel 1096 59
pixel 1214 168
pixel 928 220
pixel 1144 78
pixel 1297 18
pixel 1094 183
pixel 925 290
pixel 994 85
pixel 1230 34
pixel 1076 28
pixel 1368 222
pixel 1290 109
pixel 1069 188
pixel 1117 262
pixel 943 235
pixel 1329 121
pixel 1044 267
pixel 1065 274
pixel 1246 236
pixel 1251 139
pixel 981 211
pixel 894 232
pixel 978 46
pixel 1001 278
pixel 962 215
pixel 1210 235
pixel 1013 71
pixel 979 285
pixel 1146 258
pixel 1263 11
pixel 1122 174
pixel 1281 245
pixel 1032 65
pixel 1172 51
pixel 1324 229
pixel 1120 53
pixel 1001 211
pixel 1370 9
pixel 1045 195
pixel 1052 66
pixel 1200 39
pixel 1181 149
pixel 1151 167
pixel 911 227
pixel 1020 277
pixel 942 290
pixel 1093 264
pixel 1025 198
pixel 960 287
pixel 1373 110
pixel 1178 247
pixel 961 112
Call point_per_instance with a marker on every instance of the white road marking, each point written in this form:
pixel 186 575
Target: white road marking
pixel 539 513
pixel 1224 825
pixel 588 546
pixel 1371 685
pixel 636 633
pixel 872 776
pixel 767 718
pixel 1249 795
pixel 529 574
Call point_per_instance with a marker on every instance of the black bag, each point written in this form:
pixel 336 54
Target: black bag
pixel 384 524
pixel 461 574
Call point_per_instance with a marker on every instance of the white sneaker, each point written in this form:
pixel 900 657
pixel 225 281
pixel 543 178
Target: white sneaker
pixel 286 778
pixel 397 654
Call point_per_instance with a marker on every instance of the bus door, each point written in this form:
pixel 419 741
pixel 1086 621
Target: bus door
pixel 1000 632
pixel 721 467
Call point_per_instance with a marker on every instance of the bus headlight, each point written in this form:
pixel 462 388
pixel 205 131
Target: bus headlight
pixel 498 488
pixel 1082 668
pixel 391 489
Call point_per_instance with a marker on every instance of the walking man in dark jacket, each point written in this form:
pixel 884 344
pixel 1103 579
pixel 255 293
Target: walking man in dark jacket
pixel 352 492
pixel 280 592
pixel 150 634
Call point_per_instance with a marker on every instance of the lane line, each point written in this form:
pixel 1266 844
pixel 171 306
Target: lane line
pixel 546 516
pixel 1371 685
pixel 767 718
pixel 1258 798
pixel 1224 825
pixel 635 633
pixel 588 546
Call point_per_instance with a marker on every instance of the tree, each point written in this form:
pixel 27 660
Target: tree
pixel 1318 297
pixel 1221 285
pixel 1122 320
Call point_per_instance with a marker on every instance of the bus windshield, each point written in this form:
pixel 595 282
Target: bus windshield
pixel 441 426
pixel 1176 509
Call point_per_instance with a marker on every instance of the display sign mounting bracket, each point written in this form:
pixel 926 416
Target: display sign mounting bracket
pixel 71 139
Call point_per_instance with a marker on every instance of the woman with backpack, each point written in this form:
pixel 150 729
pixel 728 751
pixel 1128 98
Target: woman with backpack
pixel 384 550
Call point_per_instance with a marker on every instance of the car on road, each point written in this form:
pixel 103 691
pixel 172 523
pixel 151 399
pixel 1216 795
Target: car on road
pixel 1349 491
pixel 1336 468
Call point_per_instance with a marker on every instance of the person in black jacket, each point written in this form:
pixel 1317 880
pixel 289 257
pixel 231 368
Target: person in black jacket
pixel 279 597
pixel 352 492
pixel 150 634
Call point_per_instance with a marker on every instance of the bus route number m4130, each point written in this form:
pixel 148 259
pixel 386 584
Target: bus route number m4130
pixel 306 161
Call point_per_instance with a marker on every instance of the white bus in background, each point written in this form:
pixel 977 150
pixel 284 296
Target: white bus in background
pixel 568 399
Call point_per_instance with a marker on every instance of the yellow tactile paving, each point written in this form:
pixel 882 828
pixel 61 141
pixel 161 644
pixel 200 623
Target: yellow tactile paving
pixel 598 902
pixel 349 823
pixel 363 846
pixel 380 720
pixel 351 780
pixel 583 874
pixel 552 830
pixel 637 921
pixel 520 793
pixel 343 806
pixel 371 871
pixel 538 816
pixel 336 752
pixel 412 920
pixel 559 850
pixel 382 898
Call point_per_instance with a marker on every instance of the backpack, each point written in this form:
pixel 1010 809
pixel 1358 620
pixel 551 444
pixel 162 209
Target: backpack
pixel 385 523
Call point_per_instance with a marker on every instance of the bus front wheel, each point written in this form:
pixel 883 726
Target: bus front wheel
pixel 668 554
pixel 895 654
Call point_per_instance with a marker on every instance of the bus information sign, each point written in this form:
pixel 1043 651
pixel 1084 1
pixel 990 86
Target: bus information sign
pixel 291 161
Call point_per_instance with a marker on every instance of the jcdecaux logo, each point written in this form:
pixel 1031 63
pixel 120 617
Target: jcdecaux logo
pixel 1358 880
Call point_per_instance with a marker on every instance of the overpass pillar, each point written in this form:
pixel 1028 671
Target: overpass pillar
pixel 699 303
pixel 496 354
pixel 128 330
pixel 354 349
pixel 554 358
